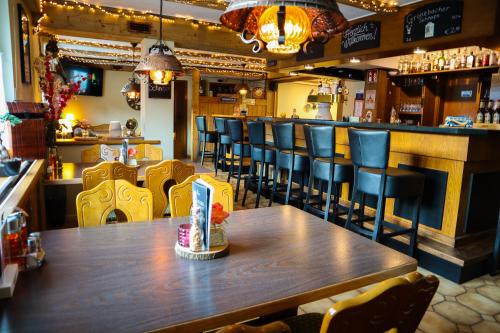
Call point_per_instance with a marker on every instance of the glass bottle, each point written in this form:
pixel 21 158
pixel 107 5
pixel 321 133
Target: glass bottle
pixel 446 61
pixel 496 115
pixel 441 61
pixel 14 241
pixel 478 62
pixel 471 60
pixel 400 65
pixel 463 59
pixel 488 114
pixel 453 62
pixel 480 113
pixel 427 64
pixel 486 58
pixel 493 58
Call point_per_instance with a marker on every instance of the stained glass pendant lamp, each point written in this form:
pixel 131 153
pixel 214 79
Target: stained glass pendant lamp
pixel 160 64
pixel 132 89
pixel 284 26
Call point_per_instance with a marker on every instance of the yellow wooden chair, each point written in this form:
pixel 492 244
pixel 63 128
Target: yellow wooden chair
pixel 394 305
pixel 98 153
pixel 93 176
pixel 148 152
pixel 158 176
pixel 94 206
pixel 180 196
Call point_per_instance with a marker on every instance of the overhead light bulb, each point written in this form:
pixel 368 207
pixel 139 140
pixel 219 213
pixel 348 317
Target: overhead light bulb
pixel 293 73
pixel 354 60
pixel 418 50
pixel 161 77
pixel 309 67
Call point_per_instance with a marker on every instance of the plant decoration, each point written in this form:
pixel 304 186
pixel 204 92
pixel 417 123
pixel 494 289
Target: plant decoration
pixel 13 120
pixel 218 214
pixel 56 90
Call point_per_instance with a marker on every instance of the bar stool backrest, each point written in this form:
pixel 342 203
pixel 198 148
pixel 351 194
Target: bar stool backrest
pixel 201 123
pixel 369 149
pixel 235 129
pixel 320 141
pixel 220 125
pixel 256 132
pixel 284 136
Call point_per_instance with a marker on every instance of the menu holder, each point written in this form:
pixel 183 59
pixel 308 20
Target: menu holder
pixel 203 196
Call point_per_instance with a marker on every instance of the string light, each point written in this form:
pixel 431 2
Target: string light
pixel 229 72
pixel 386 6
pixel 116 13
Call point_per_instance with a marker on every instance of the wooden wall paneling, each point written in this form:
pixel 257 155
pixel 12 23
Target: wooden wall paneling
pixel 454 104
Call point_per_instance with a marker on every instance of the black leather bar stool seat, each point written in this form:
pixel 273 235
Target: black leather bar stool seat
pixel 290 159
pixel 325 166
pixel 239 150
pixel 261 154
pixel 373 176
pixel 205 136
pixel 399 183
pixel 224 141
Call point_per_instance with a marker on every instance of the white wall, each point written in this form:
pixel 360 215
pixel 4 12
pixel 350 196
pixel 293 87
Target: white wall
pixel 110 106
pixel 293 95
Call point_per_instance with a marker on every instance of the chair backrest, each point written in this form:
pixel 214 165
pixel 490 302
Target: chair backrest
pixel 369 148
pixel 156 178
pixel 201 123
pixel 235 129
pixel 398 303
pixel 93 176
pixel 93 206
pixel 181 199
pixel 98 153
pixel 284 136
pixel 220 125
pixel 148 152
pixel 256 132
pixel 320 141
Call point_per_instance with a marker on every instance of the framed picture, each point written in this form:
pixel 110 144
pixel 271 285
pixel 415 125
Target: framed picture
pixel 24 44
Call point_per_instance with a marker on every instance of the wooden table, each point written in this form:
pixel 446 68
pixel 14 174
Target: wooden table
pixel 127 278
pixel 72 172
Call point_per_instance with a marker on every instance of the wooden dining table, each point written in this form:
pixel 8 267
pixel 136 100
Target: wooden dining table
pixel 127 277
pixel 71 173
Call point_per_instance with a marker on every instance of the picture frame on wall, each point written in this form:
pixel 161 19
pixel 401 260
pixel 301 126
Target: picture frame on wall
pixel 24 44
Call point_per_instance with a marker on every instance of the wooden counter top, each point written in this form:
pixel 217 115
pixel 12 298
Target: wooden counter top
pixel 134 141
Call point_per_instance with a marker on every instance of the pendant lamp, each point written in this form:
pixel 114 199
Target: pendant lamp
pixel 132 89
pixel 284 26
pixel 160 64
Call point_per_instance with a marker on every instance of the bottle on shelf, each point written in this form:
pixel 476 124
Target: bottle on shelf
pixel 486 58
pixel 427 64
pixel 493 58
pixel 471 60
pixel 496 115
pixel 480 112
pixel 478 62
pixel 453 62
pixel 435 63
pixel 463 59
pixel 488 114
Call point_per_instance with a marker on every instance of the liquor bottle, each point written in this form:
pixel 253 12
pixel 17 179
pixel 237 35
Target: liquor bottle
pixel 486 58
pixel 496 115
pixel 488 114
pixel 418 65
pixel 441 61
pixel 446 61
pixel 453 62
pixel 427 64
pixel 400 65
pixel 493 58
pixel 480 112
pixel 435 63
pixel 463 59
pixel 405 66
pixel 478 62
pixel 471 60
pixel 340 89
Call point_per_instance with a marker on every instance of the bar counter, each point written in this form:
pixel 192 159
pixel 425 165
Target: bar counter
pixel 461 199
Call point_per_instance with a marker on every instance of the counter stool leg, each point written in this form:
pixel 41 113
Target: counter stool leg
pixel 239 175
pixel 378 228
pixel 199 148
pixel 353 202
pixel 247 182
pixel 336 196
pixel 203 152
pixel 275 184
pixel 328 194
pixel 320 194
pixel 231 168
pixel 414 225
pixel 259 185
pixel 310 185
pixel 215 156
pixel 301 190
pixel 289 185
pixel 361 212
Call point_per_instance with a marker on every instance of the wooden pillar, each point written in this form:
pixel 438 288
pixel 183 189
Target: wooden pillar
pixel 195 106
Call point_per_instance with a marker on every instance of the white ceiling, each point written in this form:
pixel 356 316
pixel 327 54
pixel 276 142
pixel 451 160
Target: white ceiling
pixel 207 14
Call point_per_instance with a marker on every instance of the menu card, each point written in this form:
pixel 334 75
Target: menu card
pixel 203 194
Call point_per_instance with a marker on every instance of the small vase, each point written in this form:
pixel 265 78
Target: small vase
pixel 217 236
pixel 51 137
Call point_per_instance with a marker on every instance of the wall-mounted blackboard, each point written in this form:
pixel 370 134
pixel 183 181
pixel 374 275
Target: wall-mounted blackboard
pixel 438 19
pixel 159 91
pixel 361 36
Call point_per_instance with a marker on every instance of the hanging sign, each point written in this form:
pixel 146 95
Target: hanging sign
pixel 361 36
pixel 159 91
pixel 438 19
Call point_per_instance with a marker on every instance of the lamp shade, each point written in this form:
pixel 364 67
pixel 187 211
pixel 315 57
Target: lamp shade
pixel 281 24
pixel 131 89
pixel 160 64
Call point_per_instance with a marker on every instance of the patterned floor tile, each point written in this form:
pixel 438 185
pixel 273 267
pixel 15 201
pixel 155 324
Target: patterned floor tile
pixel 476 283
pixel 457 313
pixel 492 292
pixel 464 328
pixel 486 327
pixel 488 318
pixel 433 322
pixel 448 288
pixel 479 303
pixel 438 298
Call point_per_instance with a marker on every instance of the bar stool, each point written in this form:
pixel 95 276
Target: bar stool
pixel 239 148
pixel 260 153
pixel 204 135
pixel 325 166
pixel 288 158
pixel 370 156
pixel 224 141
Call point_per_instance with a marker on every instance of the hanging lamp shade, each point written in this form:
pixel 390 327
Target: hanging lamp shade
pixel 132 89
pixel 160 64
pixel 284 26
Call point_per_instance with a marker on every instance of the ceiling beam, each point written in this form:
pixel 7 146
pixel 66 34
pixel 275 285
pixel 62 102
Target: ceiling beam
pixel 213 4
pixel 356 4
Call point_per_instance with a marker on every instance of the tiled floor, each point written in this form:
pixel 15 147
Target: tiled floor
pixel 471 307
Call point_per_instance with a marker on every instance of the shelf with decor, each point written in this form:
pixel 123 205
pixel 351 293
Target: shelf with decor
pixel 450 71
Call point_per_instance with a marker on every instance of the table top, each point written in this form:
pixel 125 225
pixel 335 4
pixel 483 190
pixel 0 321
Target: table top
pixel 72 172
pixel 127 277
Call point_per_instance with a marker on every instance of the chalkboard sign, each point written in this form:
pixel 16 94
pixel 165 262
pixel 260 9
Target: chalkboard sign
pixel 434 20
pixel 361 36
pixel 160 91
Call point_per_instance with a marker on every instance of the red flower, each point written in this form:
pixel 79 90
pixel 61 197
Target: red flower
pixel 132 151
pixel 218 214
